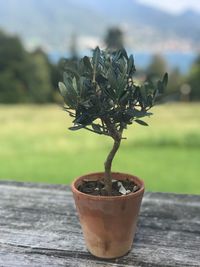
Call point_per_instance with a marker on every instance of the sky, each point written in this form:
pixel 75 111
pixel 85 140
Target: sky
pixel 174 6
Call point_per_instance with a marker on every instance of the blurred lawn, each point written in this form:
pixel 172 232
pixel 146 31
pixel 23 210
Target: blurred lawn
pixel 35 145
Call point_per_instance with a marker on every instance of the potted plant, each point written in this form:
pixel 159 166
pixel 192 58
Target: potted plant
pixel 101 96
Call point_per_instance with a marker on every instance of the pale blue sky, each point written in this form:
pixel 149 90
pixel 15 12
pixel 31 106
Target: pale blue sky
pixel 174 6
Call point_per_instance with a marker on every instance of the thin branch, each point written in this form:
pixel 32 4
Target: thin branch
pixel 70 113
pixel 87 128
pixel 108 165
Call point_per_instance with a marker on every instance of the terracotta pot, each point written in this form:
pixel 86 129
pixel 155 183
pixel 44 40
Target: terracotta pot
pixel 108 222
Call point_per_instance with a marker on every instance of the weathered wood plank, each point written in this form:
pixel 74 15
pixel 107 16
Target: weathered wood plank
pixel 39 227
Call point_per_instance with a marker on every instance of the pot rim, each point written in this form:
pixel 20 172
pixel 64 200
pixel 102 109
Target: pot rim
pixel 137 180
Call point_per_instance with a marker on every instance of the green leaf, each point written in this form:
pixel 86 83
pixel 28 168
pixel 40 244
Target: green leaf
pixel 165 80
pixel 96 57
pixel 124 53
pixel 69 85
pixel 141 122
pixel 82 87
pixel 122 66
pixel 62 88
pixel 87 63
pixel 70 101
pixel 139 113
pixel 124 97
pixel 112 79
pixel 109 92
pixel 72 71
pixel 74 83
pixel 75 128
pixel 121 85
pixel 116 55
pixel 131 67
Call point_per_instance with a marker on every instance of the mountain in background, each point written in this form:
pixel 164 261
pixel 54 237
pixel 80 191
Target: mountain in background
pixel 50 24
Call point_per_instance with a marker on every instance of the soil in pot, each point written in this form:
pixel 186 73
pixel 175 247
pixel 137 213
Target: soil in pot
pixel 119 187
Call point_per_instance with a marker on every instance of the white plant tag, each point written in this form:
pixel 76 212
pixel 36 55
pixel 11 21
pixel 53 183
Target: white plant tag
pixel 122 190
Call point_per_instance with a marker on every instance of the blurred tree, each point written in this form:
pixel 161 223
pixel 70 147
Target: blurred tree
pixel 13 65
pixel 73 48
pixel 175 81
pixel 173 92
pixel 40 81
pixel 24 77
pixel 157 67
pixel 114 39
pixel 193 79
pixel 11 89
pixel 185 91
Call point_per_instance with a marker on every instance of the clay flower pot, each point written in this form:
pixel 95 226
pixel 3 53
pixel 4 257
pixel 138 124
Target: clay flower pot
pixel 108 222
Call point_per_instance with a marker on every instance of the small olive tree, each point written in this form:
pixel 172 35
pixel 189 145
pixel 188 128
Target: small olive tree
pixel 101 96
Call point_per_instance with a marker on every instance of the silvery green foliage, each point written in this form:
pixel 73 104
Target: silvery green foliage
pixel 102 87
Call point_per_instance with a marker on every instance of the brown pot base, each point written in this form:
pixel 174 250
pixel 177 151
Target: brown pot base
pixel 108 222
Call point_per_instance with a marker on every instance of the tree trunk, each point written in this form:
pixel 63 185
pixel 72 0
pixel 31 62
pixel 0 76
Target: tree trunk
pixel 108 165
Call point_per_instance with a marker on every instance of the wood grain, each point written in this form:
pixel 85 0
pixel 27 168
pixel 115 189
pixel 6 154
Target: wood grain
pixel 39 227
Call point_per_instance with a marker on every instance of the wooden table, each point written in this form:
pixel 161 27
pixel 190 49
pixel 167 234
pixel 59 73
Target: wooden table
pixel 39 227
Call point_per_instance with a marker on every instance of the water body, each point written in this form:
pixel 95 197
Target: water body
pixel 182 61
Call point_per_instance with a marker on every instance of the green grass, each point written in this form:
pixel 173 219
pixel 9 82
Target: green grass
pixel 35 145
